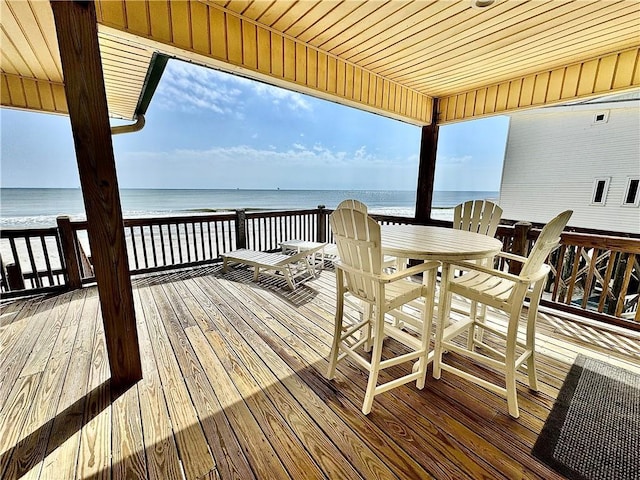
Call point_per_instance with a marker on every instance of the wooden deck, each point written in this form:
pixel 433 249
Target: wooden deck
pixel 234 387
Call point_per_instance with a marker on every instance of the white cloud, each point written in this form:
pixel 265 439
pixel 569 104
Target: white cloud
pixel 455 161
pixel 188 87
pixel 296 155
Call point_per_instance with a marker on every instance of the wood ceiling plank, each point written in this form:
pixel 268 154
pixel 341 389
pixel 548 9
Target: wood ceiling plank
pixel 548 87
pixel 200 27
pixel 15 33
pixel 301 63
pixel 275 11
pixel 5 95
pixel 217 28
pixel 16 91
pixel 256 9
pixel 11 54
pixel 404 33
pixel 443 85
pixel 331 75
pixel 237 6
pixel 526 48
pixel 515 24
pixel 319 10
pixel 44 17
pixel 234 39
pixel 111 12
pixel 393 21
pixel 160 21
pixel 41 45
pixel 291 16
pixel 7 64
pixel 277 55
pixel 365 13
pixel 384 11
pixel 264 50
pixel 289 59
pixel 249 45
pixel 341 79
pixel 627 63
pixel 137 15
pixel 459 30
pixel 46 97
pixel 327 21
pixel 312 68
pixel 180 14
pixel 60 98
pixel 526 62
pixel 606 72
pixel 137 63
pixel 588 75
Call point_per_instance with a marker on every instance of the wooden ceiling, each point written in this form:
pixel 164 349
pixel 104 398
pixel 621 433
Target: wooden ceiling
pixel 389 57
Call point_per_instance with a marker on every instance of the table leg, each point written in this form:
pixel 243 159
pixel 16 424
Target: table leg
pixel 444 308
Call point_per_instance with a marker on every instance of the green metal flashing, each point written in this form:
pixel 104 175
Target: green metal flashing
pixel 154 74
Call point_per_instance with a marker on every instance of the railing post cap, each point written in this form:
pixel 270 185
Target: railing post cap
pixel 523 224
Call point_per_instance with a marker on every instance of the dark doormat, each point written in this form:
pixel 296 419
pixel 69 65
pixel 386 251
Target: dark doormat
pixel 593 430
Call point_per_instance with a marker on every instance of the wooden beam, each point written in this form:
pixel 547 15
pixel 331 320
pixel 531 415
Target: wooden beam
pixel 427 167
pixel 77 33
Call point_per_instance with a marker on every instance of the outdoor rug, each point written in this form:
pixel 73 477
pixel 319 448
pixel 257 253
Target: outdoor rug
pixel 593 430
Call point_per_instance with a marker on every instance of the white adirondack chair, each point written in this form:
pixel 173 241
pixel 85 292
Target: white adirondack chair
pixel 505 292
pixel 479 216
pixel 388 261
pixel 359 273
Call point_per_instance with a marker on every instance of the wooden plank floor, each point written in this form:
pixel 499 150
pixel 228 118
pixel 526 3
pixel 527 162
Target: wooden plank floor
pixel 234 388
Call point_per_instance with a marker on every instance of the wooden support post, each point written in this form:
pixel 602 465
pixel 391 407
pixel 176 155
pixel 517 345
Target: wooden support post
pixel 15 280
pixel 520 244
pixel 241 229
pixel 427 167
pixel 69 252
pixel 77 33
pixel 321 224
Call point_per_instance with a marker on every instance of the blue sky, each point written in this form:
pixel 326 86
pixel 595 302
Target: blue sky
pixel 207 129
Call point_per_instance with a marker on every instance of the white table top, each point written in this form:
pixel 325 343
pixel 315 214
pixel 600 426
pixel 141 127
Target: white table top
pixel 436 243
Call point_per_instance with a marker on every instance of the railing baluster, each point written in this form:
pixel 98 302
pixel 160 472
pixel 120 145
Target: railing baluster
pixel 605 283
pixel 32 262
pixel 153 245
pixel 574 275
pixel 625 284
pixel 144 247
pixel 230 237
pixel 47 262
pixel 215 228
pixel 558 280
pixel 135 250
pixel 589 280
pixel 195 241
pixel 204 255
pixel 211 255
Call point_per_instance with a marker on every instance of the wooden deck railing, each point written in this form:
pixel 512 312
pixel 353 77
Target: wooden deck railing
pixel 592 275
pixel 31 260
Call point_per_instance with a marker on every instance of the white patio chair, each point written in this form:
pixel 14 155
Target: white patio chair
pixel 506 292
pixel 388 261
pixel 479 216
pixel 359 273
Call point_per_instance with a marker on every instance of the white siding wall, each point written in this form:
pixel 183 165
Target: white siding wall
pixel 552 159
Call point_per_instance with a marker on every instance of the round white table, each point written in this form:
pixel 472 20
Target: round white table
pixel 441 244
pixel 436 243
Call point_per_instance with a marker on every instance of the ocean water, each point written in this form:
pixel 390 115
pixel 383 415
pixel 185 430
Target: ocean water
pixel 39 207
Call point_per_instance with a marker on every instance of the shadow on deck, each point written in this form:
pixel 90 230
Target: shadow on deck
pixel 234 387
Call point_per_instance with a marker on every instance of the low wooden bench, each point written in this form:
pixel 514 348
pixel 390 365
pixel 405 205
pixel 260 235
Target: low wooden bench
pixel 280 265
